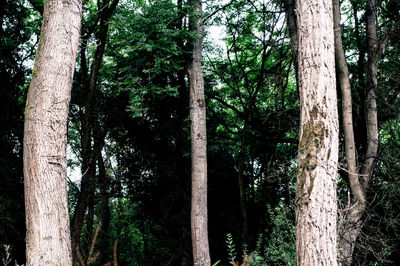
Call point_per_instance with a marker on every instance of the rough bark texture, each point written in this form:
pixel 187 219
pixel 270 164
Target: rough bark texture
pixel 318 148
pixel 47 219
pixel 201 254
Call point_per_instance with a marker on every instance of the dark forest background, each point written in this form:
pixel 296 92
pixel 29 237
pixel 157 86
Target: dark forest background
pixel 129 130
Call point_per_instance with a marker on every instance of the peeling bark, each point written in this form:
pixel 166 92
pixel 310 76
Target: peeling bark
pixel 316 210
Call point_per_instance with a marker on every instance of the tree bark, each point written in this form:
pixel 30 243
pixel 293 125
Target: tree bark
pixel 199 217
pixel 351 227
pixel 318 147
pixel 46 206
pixel 372 111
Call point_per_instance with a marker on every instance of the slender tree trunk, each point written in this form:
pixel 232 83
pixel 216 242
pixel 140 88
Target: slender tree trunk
pixel 349 229
pixel 181 144
pixel 90 217
pixel 372 110
pixel 47 219
pixel 318 147
pixel 199 217
pixel 105 213
pixel 88 153
pixel 360 135
pixel 353 219
pixel 290 7
pixel 242 190
pixel 181 173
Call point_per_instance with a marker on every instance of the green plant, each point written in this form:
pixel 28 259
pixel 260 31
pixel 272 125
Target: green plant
pixel 281 248
pixel 274 248
pixel 231 247
pixel 92 258
pixel 7 256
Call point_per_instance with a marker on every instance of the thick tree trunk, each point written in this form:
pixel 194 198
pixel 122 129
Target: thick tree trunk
pixel 201 254
pixel 318 148
pixel 47 219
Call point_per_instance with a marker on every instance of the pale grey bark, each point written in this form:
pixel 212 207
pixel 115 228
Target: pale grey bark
pixel 199 220
pixel 45 135
pixel 316 211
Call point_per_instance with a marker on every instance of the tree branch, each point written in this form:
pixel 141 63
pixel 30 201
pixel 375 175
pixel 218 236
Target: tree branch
pixel 388 35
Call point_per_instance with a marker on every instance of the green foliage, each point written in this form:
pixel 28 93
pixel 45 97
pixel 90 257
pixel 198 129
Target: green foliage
pixel 136 244
pixel 378 242
pixel 230 247
pixel 276 247
pixel 148 51
pixel 281 246
pixel 252 104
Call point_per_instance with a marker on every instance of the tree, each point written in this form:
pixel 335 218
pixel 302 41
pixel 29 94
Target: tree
pixel 359 170
pixel 45 135
pixel 16 31
pixel 347 239
pixel 318 147
pixel 253 108
pixel 88 153
pixel 199 218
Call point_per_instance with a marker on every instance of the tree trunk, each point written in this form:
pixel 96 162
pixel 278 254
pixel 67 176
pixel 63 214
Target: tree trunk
pixel 290 10
pixel 351 227
pixel 88 153
pixel 105 213
pixel 318 147
pixel 242 189
pixel 372 110
pixel 201 254
pixel 47 219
